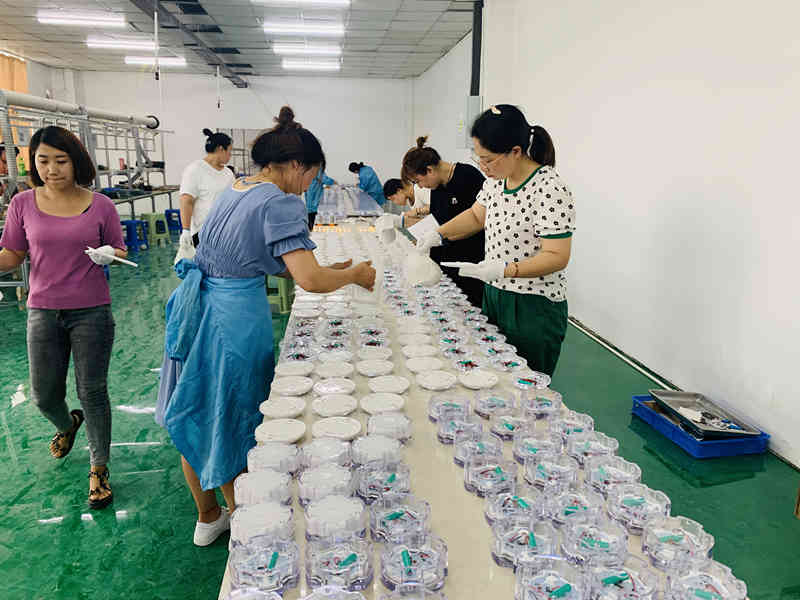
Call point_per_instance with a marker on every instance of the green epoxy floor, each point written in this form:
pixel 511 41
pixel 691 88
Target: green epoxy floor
pixel 746 503
pixel 51 546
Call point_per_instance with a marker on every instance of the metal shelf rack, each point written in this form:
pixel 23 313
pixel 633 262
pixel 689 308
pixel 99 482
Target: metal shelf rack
pixel 137 141
pixel 240 152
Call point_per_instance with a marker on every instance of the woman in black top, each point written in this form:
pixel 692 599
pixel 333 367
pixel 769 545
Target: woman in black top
pixel 454 187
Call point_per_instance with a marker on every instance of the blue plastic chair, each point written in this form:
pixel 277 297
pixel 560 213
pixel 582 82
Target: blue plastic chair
pixel 173 216
pixel 135 234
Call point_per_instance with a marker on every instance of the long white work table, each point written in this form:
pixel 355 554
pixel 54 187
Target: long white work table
pixel 457 516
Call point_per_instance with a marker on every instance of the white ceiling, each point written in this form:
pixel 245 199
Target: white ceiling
pixel 384 38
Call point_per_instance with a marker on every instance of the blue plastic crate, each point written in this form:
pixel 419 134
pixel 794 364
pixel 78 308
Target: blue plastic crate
pixel 689 443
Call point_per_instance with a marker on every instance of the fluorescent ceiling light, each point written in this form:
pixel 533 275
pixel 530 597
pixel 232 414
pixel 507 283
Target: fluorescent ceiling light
pixel 295 64
pixel 332 29
pixel 58 17
pixel 312 2
pixel 121 44
pixel 166 61
pixel 290 49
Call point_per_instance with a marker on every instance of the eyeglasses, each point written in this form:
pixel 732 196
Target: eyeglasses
pixel 484 162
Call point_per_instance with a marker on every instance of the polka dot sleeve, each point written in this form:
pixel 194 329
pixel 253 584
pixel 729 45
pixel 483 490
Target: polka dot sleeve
pixel 490 187
pixel 555 213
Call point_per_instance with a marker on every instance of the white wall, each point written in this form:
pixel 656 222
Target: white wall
pixel 39 78
pixel 62 84
pixel 440 103
pixel 676 127
pixel 355 119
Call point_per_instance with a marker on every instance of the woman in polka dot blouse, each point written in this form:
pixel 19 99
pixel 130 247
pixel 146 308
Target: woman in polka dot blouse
pixel 528 215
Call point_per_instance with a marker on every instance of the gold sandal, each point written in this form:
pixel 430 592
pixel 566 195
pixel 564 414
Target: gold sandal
pixel 98 503
pixel 56 449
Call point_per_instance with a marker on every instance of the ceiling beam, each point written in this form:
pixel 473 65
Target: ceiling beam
pixel 167 19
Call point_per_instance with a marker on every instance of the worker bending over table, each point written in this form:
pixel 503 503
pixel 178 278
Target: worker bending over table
pixel 454 187
pixel 414 202
pixel 314 195
pixel 219 359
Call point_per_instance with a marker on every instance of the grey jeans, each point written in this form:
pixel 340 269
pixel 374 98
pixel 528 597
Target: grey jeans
pixel 87 333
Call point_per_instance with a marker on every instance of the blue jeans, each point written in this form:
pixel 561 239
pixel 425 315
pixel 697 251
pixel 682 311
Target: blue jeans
pixel 88 334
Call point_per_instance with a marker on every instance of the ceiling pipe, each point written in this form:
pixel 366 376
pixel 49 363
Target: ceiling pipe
pixel 36 102
pixel 167 19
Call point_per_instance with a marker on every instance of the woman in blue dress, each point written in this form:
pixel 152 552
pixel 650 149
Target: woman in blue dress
pixel 219 358
pixel 368 181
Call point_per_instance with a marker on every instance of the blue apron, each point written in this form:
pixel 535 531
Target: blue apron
pixel 218 365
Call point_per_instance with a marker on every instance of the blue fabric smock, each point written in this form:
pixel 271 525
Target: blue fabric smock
pixel 315 190
pixel 219 359
pixel 369 182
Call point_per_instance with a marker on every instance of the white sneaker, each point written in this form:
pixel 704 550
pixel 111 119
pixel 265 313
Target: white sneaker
pixel 206 533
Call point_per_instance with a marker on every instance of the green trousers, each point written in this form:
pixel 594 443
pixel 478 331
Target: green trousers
pixel 532 323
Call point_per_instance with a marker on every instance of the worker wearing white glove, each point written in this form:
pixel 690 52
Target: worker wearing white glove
pixel 432 239
pixel 488 270
pixel 104 255
pixel 185 247
pixel 528 214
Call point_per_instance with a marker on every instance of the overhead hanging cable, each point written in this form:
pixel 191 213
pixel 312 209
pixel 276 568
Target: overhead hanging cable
pixel 219 91
pixel 157 72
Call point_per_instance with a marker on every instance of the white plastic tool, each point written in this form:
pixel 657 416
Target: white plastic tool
pixel 116 258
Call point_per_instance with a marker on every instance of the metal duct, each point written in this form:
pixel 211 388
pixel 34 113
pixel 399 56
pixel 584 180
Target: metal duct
pixel 30 101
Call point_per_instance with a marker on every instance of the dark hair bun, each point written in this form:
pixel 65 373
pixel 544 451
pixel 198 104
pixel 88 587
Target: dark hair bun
pixel 418 159
pixel 207 132
pixel 287 141
pixel 285 118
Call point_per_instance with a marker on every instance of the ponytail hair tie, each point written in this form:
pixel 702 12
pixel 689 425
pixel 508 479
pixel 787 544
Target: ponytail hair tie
pixel 532 133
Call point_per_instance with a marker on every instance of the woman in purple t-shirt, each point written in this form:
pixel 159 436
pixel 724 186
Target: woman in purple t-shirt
pixel 69 302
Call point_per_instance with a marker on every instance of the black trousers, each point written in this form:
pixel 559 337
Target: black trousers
pixel 312 217
pixel 472 287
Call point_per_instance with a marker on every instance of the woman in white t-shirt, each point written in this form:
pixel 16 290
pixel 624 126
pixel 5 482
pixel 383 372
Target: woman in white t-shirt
pixel 201 183
pixel 406 195
pixel 528 214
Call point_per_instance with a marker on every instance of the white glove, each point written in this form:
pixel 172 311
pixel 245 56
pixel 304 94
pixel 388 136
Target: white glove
pixel 104 255
pixel 486 270
pixel 420 269
pixel 385 225
pixel 432 239
pixel 388 236
pixel 384 222
pixel 186 238
pixel 185 247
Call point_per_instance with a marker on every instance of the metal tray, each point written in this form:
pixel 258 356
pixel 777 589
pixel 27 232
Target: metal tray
pixel 672 401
